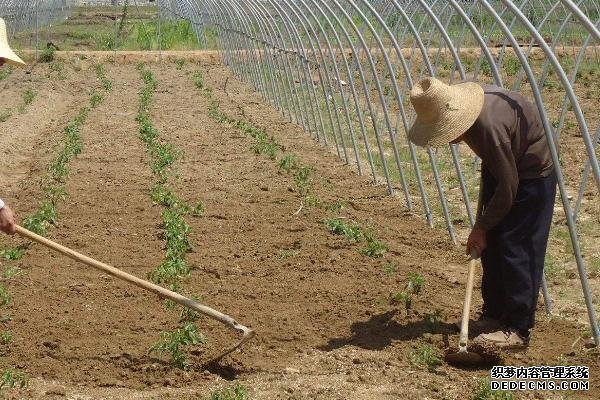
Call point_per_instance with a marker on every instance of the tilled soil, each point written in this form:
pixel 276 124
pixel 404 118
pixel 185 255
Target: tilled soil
pixel 326 326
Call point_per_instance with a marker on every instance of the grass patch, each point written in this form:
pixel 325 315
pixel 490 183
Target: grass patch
pixel 426 355
pixel 5 115
pixel 484 392
pixel 13 254
pixel 350 231
pixel 173 343
pixel 6 72
pixel 413 288
pixel 48 54
pixel 13 377
pixel 237 392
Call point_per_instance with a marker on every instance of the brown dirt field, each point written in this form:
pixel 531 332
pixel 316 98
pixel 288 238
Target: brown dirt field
pixel 325 325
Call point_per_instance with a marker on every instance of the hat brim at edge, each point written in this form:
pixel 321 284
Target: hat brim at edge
pixel 469 98
pixel 12 58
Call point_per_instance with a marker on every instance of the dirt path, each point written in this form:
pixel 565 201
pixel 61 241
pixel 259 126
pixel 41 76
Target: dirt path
pixel 326 327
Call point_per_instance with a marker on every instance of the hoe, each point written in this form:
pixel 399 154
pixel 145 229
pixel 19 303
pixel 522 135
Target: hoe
pixel 464 357
pixel 247 333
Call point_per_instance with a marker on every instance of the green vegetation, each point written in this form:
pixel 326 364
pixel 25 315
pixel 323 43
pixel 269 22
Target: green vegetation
pixel 415 285
pixel 5 115
pixel 375 248
pixel 6 337
pixel 485 392
pixel 13 377
pixel 28 97
pixel 5 297
pixel 13 254
pixel 426 355
pixel 173 343
pixel 199 209
pixel 96 99
pixel 350 231
pixel 48 54
pixel 174 268
pixel 6 72
pixel 237 392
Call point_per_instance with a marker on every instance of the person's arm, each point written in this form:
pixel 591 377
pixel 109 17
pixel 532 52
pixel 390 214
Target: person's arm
pixel 7 219
pixel 498 159
pixel 500 162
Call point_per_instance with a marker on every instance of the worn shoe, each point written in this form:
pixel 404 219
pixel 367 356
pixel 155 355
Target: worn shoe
pixel 481 325
pixel 505 339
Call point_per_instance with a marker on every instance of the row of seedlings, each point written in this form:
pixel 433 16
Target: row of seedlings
pixel 290 163
pixel 53 184
pixel 174 269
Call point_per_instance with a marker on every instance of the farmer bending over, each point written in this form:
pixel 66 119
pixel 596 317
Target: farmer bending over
pixel 516 201
pixel 7 218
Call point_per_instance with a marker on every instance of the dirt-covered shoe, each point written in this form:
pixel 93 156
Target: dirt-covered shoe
pixel 481 325
pixel 505 339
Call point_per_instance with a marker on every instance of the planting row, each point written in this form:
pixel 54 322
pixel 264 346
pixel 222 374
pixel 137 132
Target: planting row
pixel 53 184
pixel 174 269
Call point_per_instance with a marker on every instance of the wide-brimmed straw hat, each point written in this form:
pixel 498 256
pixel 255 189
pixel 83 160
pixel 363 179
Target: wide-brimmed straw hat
pixel 444 112
pixel 5 50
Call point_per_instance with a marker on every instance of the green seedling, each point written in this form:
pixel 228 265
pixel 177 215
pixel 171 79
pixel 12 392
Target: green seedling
pixel 266 146
pixel 170 271
pixel 55 194
pixel 176 232
pixel 427 356
pixel 163 196
pixel 96 99
pixel 238 392
pixel 336 206
pixel 484 392
pixel 338 226
pixel 57 66
pixel 174 343
pixel 6 72
pixel 5 297
pixel 13 254
pixel 6 337
pixel 375 248
pixel 48 54
pixel 302 179
pixel 28 97
pixel 404 298
pixel 199 80
pixel 199 210
pixel 14 377
pixel 434 318
pixel 5 115
pixel 179 63
pixel 11 271
pixel 288 163
pixel 416 282
pixel 313 201
pixel 415 285
pixel 189 315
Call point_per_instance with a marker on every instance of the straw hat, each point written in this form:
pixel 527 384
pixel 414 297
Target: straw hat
pixel 5 50
pixel 443 112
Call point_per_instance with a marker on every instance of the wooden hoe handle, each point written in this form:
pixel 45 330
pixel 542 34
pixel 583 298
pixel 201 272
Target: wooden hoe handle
pixel 464 327
pixel 159 290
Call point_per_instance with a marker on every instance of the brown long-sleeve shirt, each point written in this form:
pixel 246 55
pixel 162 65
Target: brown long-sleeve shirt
pixel 509 138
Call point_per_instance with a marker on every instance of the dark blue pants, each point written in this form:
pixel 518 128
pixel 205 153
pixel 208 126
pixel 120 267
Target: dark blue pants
pixel 513 262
